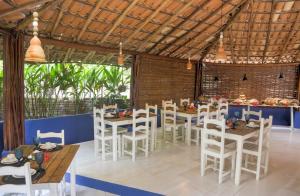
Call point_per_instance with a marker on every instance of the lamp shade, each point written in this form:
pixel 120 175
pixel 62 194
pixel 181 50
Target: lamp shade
pixel 120 59
pixel 35 52
pixel 189 65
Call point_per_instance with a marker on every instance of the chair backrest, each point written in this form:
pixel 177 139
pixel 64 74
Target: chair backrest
pixel 170 114
pixel 212 114
pixel 187 101
pixel 166 102
pixel 140 121
pixel 110 107
pixel 252 114
pixel 99 124
pixel 202 112
pixel 20 171
pixel 46 135
pixel 152 108
pixel 264 133
pixel 213 128
pixel 223 109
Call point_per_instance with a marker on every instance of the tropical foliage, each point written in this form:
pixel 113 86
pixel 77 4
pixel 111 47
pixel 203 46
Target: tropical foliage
pixel 59 89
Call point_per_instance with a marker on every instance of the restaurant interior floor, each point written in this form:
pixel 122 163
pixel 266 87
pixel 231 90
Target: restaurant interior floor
pixel 174 169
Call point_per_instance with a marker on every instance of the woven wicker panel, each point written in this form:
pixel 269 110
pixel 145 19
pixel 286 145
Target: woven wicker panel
pixel 263 81
pixel 164 78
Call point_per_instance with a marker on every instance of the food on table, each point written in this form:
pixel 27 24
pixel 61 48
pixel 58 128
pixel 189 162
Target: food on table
pixel 253 102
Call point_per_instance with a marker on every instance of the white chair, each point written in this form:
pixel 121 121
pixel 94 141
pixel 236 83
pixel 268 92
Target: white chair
pixel 46 135
pixel 212 113
pixel 210 147
pixel 110 107
pixel 260 150
pixel 196 129
pixel 26 188
pixel 140 132
pixel 171 124
pixel 152 108
pixel 187 101
pixel 222 109
pixel 166 102
pixel 252 114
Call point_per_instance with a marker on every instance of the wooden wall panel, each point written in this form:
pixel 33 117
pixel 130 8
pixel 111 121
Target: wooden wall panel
pixel 262 81
pixel 162 78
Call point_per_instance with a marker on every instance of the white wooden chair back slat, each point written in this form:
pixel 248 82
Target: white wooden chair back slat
pixel 251 114
pixel 11 188
pixel 152 108
pixel 140 116
pixel 60 135
pixel 170 114
pixel 202 111
pixel 187 101
pixel 166 102
pixel 223 109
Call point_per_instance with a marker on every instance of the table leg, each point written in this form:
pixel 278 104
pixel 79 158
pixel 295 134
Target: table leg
pixel 73 178
pixel 153 130
pixel 188 130
pixel 292 119
pixel 115 140
pixel 238 162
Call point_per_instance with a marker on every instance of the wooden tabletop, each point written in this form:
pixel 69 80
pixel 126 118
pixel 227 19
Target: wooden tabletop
pixel 116 119
pixel 57 165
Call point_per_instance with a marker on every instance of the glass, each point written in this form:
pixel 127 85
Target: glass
pixel 39 158
pixel 19 154
pixel 247 118
pixel 237 114
pixel 36 141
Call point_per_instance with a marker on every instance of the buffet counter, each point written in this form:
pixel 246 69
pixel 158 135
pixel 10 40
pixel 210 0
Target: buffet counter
pixel 282 115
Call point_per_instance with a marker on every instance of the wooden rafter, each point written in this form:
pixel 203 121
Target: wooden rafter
pixel 29 5
pixel 166 23
pixel 231 18
pixel 231 45
pixel 187 32
pixel 63 9
pixel 268 31
pixel 94 12
pixel 178 25
pixel 119 20
pixel 288 37
pixel 149 18
pixel 250 28
pixel 26 21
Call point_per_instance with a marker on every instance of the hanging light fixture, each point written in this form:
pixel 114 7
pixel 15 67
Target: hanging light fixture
pixel 245 77
pixel 120 57
pixel 35 52
pixel 280 75
pixel 221 55
pixel 189 65
pixel 216 79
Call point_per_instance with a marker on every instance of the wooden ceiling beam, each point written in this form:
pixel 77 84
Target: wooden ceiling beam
pixel 94 12
pixel 288 37
pixel 231 18
pixel 268 31
pixel 196 11
pixel 28 19
pixel 64 8
pixel 119 20
pixel 149 18
pixel 250 28
pixel 188 40
pixel 165 24
pixel 29 5
pixel 231 46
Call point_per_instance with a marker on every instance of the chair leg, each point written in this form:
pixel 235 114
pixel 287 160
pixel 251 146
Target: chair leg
pixel 119 145
pixel 103 149
pixel 221 168
pixel 197 137
pixel 258 167
pixel 133 150
pixel 147 147
pixel 232 165
pixel 266 163
pixel 203 163
pixel 123 146
pixel 96 147
pixel 215 163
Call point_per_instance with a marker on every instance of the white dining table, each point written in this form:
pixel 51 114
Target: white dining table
pixel 115 122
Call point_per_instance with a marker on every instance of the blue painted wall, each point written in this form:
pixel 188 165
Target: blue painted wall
pixel 297 119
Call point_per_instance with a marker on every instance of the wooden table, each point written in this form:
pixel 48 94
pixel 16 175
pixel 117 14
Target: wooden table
pixel 56 167
pixel 239 134
pixel 115 122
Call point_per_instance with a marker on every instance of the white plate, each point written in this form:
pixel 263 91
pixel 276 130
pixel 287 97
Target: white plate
pixel 7 161
pixel 32 171
pixel 252 125
pixel 219 127
pixel 47 146
pixel 108 115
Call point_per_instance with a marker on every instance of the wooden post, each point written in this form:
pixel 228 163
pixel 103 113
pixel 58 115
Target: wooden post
pixel 13 85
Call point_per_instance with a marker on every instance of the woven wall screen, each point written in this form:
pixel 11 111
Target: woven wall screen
pixel 263 81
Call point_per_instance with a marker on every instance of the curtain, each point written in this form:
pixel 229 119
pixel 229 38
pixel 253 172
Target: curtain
pixel 134 80
pixel 198 80
pixel 13 95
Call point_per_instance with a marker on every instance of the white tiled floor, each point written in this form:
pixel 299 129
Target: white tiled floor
pixel 175 170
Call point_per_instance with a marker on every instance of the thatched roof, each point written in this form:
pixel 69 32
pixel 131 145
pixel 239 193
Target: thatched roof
pixel 263 31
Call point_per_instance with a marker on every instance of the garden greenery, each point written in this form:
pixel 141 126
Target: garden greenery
pixel 72 88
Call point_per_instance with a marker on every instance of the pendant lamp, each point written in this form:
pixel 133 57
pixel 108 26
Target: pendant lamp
pixel 189 65
pixel 280 75
pixel 245 77
pixel 120 57
pixel 216 79
pixel 35 52
pixel 221 55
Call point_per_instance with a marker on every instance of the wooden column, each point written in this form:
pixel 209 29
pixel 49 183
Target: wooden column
pixel 198 80
pixel 134 80
pixel 13 85
pixel 298 83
